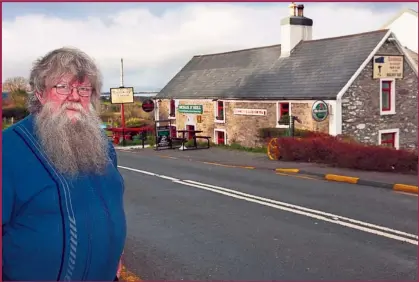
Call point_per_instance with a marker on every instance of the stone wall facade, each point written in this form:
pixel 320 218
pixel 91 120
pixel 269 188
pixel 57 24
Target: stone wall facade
pixel 361 116
pixel 241 129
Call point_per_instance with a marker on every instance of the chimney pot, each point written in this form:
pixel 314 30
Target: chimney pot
pixel 300 9
pixel 292 7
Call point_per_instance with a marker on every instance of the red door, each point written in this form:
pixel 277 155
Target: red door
pixel 220 138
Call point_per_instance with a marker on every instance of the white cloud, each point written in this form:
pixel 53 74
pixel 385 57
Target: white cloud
pixel 154 47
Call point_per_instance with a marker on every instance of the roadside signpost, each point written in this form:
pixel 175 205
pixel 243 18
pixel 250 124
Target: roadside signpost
pixel 122 95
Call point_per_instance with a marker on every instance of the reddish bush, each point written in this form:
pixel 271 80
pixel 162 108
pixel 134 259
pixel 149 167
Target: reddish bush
pixel 345 153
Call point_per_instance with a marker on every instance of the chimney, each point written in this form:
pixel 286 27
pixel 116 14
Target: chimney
pixel 294 28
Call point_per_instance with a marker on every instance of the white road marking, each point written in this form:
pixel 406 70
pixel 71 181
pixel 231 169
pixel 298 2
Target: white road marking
pixel 320 215
pixel 333 216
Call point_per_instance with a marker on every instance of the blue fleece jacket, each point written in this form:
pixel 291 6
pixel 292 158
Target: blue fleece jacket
pixel 56 228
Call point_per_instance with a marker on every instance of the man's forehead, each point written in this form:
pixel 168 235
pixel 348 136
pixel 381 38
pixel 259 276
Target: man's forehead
pixel 73 79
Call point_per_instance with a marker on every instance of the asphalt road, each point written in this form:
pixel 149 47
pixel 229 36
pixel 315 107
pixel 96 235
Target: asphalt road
pixel 194 221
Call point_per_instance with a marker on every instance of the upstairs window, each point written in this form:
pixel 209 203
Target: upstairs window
pixel 172 111
pixel 219 111
pixel 387 97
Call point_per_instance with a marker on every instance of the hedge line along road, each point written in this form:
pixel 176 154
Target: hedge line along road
pixel 195 221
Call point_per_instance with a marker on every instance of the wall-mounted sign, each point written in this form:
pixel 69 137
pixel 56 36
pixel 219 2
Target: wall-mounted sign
pixel 250 112
pixel 320 111
pixel 190 109
pixel 122 95
pixel 148 106
pixel 388 66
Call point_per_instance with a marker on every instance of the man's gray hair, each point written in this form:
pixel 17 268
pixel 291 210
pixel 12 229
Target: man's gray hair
pixel 48 70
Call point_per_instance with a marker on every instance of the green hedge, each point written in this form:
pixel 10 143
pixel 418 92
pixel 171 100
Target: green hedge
pixel 17 113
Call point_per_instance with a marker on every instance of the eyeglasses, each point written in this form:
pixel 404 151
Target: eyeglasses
pixel 65 89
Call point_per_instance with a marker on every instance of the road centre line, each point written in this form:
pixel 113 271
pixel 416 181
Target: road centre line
pixel 316 214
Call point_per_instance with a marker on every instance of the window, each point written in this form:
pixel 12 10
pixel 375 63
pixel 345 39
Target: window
pixel 220 137
pixel 172 111
pixel 283 113
pixel 389 138
pixel 284 109
pixel 219 111
pixel 387 96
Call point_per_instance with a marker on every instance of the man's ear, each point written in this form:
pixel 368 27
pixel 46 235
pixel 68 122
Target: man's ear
pixel 41 98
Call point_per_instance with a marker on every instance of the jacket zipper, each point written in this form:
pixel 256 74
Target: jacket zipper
pixel 89 247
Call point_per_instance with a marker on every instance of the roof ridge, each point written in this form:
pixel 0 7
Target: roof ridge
pixel 349 35
pixel 237 51
pixel 398 14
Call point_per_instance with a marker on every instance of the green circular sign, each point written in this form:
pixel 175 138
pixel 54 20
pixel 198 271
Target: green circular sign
pixel 320 111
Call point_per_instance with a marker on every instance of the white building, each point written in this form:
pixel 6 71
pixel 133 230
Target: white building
pixel 405 26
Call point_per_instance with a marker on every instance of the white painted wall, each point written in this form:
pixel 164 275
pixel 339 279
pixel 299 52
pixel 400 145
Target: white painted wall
pixel 291 35
pixel 405 27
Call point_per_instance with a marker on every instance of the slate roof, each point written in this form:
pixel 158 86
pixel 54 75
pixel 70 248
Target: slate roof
pixel 413 55
pixel 316 69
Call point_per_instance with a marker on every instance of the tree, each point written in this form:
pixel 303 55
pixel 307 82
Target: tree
pixel 17 88
pixel 15 84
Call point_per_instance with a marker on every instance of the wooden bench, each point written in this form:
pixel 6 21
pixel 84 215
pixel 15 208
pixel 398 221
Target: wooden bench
pixel 177 139
pixel 201 137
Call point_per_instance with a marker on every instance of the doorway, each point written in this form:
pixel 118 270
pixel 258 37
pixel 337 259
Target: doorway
pixel 190 135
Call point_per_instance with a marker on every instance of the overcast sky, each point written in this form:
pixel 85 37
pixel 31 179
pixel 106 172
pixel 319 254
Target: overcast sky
pixel 157 39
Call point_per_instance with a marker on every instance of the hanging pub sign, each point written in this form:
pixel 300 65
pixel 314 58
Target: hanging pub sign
pixel 148 106
pixel 320 111
pixel 388 66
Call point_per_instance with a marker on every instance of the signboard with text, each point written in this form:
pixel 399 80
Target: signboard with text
pixel 190 109
pixel 122 95
pixel 320 111
pixel 163 136
pixel 250 112
pixel 388 67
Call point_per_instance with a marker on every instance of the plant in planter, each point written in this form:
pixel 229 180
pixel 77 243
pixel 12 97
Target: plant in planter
pixel 284 120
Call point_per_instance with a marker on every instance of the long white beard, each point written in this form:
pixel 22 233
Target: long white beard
pixel 73 146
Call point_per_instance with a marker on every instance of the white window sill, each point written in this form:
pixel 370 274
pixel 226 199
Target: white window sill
pixel 172 117
pixel 387 113
pixel 282 126
pixel 219 121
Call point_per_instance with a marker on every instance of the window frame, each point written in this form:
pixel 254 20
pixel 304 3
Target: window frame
pixel 172 109
pixel 392 96
pixel 279 113
pixel 216 111
pixel 396 137
pixel 216 131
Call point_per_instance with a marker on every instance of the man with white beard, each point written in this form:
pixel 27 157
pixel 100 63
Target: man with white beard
pixel 63 214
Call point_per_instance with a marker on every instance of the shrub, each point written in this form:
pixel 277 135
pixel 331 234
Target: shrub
pixel 134 122
pixel 339 152
pixel 17 113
